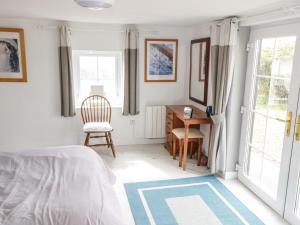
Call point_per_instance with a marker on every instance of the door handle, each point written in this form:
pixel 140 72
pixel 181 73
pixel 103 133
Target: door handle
pixel 297 134
pixel 288 122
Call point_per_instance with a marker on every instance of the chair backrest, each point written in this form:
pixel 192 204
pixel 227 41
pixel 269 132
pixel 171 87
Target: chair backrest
pixel 95 108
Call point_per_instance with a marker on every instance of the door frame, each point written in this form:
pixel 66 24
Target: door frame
pixel 293 187
pixel 256 34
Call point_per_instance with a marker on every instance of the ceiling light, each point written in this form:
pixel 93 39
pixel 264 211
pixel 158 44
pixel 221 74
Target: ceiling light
pixel 95 4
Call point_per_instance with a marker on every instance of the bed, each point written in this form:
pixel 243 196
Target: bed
pixel 57 186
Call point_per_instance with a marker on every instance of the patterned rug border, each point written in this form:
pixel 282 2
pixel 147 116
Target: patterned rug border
pixel 139 212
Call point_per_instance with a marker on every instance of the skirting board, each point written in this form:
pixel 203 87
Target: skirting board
pixel 228 175
pixel 139 141
pixel 131 141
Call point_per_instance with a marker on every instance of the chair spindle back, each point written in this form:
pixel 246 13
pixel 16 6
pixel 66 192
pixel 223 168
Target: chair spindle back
pixel 95 108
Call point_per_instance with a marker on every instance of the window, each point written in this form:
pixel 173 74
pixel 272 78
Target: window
pixel 97 72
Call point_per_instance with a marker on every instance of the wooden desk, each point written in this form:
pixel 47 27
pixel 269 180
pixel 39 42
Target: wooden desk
pixel 175 119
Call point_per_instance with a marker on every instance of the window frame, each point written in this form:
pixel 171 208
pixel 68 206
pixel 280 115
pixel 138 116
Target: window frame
pixel 76 54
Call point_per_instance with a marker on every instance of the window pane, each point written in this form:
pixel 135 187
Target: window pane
pixel 255 164
pixel 107 67
pixel 278 98
pixel 259 126
pixel 88 67
pixel 266 56
pixel 283 56
pixel 272 155
pixel 88 75
pixel 107 74
pixel 85 89
pixel 262 94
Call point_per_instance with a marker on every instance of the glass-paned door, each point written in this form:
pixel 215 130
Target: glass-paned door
pixel 270 106
pixel 269 112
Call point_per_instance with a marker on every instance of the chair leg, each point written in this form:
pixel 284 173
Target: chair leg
pixel 112 145
pixel 180 152
pixel 192 150
pixel 87 138
pixel 174 147
pixel 199 151
pixel 107 140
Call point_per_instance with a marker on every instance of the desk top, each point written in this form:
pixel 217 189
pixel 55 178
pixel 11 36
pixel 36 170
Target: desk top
pixel 198 117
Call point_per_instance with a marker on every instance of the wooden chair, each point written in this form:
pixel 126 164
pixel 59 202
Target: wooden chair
pixel 195 135
pixel 96 116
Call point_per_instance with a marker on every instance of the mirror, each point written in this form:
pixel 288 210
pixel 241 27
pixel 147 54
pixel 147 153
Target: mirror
pixel 199 69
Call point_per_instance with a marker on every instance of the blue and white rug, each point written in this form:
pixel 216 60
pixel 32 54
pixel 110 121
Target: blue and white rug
pixel 188 201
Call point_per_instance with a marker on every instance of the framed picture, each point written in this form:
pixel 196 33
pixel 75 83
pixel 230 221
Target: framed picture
pixel 161 60
pixel 12 55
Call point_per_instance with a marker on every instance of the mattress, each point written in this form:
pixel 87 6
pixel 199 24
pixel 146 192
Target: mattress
pixel 68 185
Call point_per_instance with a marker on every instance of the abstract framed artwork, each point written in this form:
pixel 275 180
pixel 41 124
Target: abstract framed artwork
pixel 12 55
pixel 161 56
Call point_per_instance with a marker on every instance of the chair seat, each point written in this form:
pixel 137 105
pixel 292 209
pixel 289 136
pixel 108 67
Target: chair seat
pixel 193 133
pixel 97 127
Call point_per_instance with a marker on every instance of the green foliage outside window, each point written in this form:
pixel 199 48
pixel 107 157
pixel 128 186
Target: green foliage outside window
pixel 283 52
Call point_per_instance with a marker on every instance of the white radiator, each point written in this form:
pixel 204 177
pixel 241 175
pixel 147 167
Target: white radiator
pixel 155 121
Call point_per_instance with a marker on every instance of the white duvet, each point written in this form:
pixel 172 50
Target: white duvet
pixel 57 186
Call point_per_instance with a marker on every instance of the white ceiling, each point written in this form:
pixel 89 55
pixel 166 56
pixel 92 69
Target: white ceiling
pixel 179 12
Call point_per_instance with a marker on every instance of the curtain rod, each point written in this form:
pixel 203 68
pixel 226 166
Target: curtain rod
pixel 288 10
pixel 96 29
pixel 292 11
pixel 41 26
pixel 219 21
pixel 54 27
pixel 274 15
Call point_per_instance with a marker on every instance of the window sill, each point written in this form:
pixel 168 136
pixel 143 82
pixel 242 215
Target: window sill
pixel 113 107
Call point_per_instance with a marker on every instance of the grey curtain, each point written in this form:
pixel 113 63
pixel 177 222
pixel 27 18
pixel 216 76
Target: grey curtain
pixel 131 101
pixel 224 39
pixel 66 73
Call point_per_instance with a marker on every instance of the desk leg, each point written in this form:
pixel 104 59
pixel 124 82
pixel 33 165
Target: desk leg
pixel 185 146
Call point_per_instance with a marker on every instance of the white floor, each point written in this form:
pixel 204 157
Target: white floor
pixel 152 162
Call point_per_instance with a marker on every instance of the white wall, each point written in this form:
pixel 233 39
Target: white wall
pixel 30 112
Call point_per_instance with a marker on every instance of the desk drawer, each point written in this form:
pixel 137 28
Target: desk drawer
pixel 169 141
pixel 170 138
pixel 169 114
pixel 169 124
pixel 168 130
